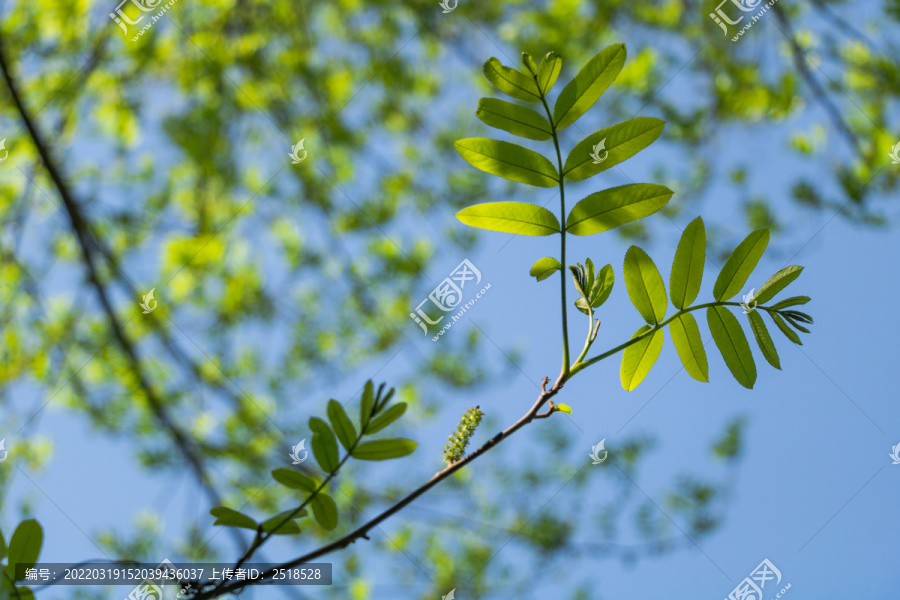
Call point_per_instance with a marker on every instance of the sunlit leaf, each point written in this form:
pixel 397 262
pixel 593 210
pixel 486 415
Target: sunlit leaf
pixel 511 82
pixel 603 286
pixel 763 339
pixel 732 344
pixel 549 71
pixel 687 268
pixel 508 161
pixel 638 358
pixel 740 264
pixel 510 217
pixel 605 210
pixel 518 120
pixel 544 268
pixel 645 285
pixel 618 143
pixel 686 337
pixel 588 85
pixel 776 283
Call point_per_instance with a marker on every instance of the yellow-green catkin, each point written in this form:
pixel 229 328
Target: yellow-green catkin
pixel 455 449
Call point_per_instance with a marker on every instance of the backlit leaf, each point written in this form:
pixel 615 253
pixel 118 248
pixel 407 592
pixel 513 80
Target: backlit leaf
pixel 588 85
pixel 324 510
pixel 518 120
pixel 740 264
pixel 544 268
pixel 387 417
pixel 776 283
pixel 508 161
pixel 294 480
pixel 511 82
pixel 232 518
pixel 605 210
pixel 288 528
pixel 763 339
pixel 549 71
pixel 510 217
pixel 638 358
pixel 733 345
pixel 686 336
pixel 621 142
pixel 687 268
pixel 645 285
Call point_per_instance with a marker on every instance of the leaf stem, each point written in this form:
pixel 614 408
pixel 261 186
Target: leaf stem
pixel 580 366
pixel 564 373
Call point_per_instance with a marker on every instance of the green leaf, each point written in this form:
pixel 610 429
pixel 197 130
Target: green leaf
pixel 763 339
pixel 787 331
pixel 605 210
pixel 529 63
pixel 510 217
pixel 289 528
pixel 325 510
pixel 733 345
pixel 2 546
pixel 294 480
pixel 24 546
pixel 776 283
pixel 588 85
pixel 509 161
pixel 792 301
pixel 21 593
pixel 645 285
pixel 511 82
pixel 367 403
pixel 232 518
pixel 793 321
pixel 603 286
pixel 740 264
pixel 621 141
pixel 324 445
pixel 582 305
pixel 687 268
pixel 639 357
pixel 686 336
pixel 384 449
pixel 544 268
pixel 388 417
pixel 549 71
pixel 518 120
pixel 342 424
pixel 564 408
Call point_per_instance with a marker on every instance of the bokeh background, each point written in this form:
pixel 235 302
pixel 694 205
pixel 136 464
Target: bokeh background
pixel 280 286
